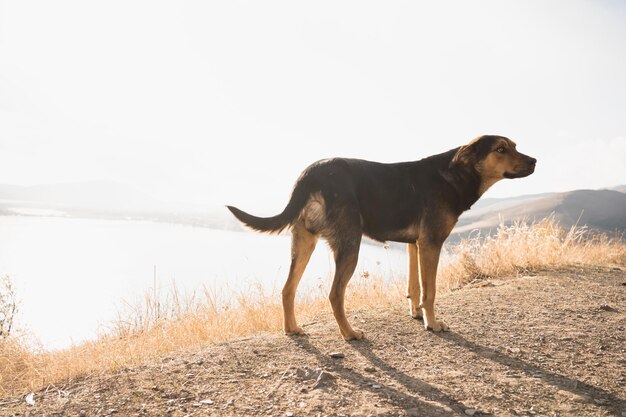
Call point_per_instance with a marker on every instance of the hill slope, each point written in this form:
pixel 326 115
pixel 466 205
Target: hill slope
pixel 600 210
pixel 557 349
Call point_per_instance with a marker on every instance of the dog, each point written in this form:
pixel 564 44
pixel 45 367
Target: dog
pixel 416 202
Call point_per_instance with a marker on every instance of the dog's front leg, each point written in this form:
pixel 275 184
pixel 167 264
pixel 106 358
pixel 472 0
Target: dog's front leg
pixel 413 291
pixel 428 253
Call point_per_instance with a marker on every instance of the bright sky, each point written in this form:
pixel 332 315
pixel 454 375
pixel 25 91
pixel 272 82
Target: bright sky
pixel 226 102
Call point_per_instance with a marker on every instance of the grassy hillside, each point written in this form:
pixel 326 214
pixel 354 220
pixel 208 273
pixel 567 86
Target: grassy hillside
pixel 157 327
pixel 540 344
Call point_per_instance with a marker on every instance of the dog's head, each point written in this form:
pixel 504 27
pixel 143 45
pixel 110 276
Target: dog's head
pixel 494 158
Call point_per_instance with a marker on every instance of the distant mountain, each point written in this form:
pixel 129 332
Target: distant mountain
pixel 103 195
pixel 104 200
pixel 600 210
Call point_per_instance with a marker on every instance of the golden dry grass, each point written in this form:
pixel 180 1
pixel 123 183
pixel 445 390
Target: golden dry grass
pixel 165 324
pixel 525 247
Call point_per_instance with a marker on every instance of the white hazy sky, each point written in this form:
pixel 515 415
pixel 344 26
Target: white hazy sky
pixel 226 102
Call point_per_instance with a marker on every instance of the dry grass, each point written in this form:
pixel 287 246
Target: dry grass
pixel 165 323
pixel 526 247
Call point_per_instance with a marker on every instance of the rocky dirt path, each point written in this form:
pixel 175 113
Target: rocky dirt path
pixel 553 344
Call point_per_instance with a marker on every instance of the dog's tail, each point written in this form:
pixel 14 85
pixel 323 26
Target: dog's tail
pixel 278 223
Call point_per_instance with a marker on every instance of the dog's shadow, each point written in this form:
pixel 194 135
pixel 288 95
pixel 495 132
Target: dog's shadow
pixel 440 403
pixel 608 401
pixel 446 406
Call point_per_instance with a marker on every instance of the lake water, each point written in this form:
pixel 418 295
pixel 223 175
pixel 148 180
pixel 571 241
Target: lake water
pixel 73 275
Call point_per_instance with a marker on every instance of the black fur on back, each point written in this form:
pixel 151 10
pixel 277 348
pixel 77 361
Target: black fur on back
pixel 391 198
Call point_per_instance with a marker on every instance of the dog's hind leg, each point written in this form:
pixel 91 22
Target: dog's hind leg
pixel 346 250
pixel 413 291
pixel 302 244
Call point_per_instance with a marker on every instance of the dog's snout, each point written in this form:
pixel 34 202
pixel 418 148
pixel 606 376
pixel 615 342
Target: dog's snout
pixel 531 161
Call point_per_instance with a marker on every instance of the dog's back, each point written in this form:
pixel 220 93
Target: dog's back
pixel 388 197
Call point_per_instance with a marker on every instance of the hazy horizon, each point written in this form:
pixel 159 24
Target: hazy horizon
pixel 226 103
pixel 112 184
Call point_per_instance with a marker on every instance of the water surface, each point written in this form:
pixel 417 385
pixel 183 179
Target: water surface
pixel 73 275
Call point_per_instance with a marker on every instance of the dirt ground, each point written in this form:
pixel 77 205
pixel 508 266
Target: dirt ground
pixel 552 344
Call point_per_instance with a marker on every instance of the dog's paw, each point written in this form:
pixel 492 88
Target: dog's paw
pixel 354 335
pixel 418 316
pixel 296 331
pixel 415 311
pixel 437 326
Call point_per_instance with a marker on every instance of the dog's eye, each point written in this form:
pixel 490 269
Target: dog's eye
pixel 501 149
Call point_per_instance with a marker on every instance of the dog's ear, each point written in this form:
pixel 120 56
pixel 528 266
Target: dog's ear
pixel 465 155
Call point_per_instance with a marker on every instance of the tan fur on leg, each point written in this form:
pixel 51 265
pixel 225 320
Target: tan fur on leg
pixel 346 264
pixel 413 291
pixel 428 259
pixel 302 244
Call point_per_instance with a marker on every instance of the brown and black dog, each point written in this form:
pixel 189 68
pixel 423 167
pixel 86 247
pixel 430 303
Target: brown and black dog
pixel 416 202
